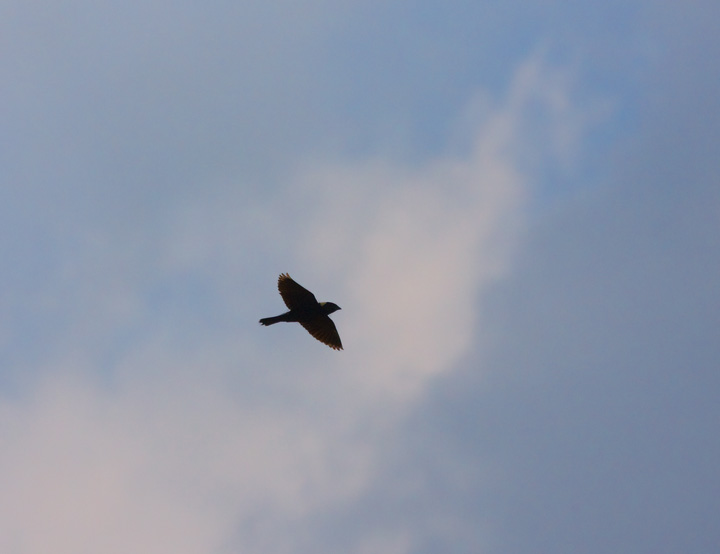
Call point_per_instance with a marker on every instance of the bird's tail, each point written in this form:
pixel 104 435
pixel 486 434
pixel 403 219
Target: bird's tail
pixel 271 320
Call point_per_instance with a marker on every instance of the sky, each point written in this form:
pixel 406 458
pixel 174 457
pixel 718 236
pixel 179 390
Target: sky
pixel 515 204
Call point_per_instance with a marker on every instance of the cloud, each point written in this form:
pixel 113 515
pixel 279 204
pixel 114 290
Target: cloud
pixel 510 379
pixel 148 426
pixel 417 246
pixel 158 466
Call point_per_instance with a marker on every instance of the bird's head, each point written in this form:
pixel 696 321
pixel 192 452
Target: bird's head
pixel 329 307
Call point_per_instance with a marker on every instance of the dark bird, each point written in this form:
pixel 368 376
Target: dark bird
pixel 306 311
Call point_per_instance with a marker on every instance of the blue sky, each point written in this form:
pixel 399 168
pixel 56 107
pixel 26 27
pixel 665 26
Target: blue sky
pixel 515 204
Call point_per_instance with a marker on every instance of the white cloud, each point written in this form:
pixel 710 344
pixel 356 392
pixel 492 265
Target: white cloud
pixel 163 468
pixel 181 447
pixel 416 246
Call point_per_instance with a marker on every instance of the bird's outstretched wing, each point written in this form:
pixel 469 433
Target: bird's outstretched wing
pixel 323 329
pixel 293 294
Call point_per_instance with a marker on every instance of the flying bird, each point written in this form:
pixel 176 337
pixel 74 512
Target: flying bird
pixel 307 311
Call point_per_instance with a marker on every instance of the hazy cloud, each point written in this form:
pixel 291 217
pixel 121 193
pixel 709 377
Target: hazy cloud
pixel 529 360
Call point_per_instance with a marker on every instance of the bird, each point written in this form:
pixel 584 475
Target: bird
pixel 307 311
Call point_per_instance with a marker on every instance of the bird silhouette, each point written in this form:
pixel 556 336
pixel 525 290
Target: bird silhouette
pixel 307 311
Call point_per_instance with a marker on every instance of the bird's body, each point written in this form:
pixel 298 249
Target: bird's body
pixel 307 311
pixel 299 314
